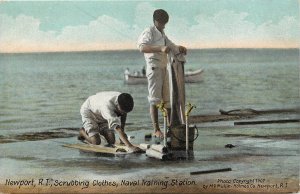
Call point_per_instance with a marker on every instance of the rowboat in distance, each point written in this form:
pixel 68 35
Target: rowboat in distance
pixel 190 77
pixel 193 76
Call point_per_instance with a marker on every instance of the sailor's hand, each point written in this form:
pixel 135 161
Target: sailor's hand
pixel 165 49
pixel 135 149
pixel 182 49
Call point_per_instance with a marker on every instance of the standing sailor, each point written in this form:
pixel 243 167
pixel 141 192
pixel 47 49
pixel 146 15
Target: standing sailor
pixel 155 45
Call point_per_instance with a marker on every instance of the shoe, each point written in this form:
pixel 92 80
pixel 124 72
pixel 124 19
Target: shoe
pixel 110 145
pixel 80 138
pixel 158 134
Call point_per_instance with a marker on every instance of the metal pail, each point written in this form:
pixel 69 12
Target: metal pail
pixel 178 137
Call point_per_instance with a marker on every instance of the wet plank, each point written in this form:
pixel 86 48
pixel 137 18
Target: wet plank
pixel 117 150
pixel 216 118
pixel 34 136
pixel 250 111
pixel 210 171
pixel 238 114
pixel 267 122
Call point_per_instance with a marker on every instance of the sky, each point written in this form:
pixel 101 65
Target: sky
pixel 51 26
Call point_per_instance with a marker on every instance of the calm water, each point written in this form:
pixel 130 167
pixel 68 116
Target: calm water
pixel 40 92
pixel 46 90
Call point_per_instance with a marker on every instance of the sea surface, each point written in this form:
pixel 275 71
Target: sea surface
pixel 43 92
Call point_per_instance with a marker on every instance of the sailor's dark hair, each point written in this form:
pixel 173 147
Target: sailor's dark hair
pixel 161 16
pixel 125 102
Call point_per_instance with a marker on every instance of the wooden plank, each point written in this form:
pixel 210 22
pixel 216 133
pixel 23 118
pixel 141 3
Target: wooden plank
pixel 266 122
pixel 238 114
pixel 210 171
pixel 117 150
pixel 250 111
pixel 215 118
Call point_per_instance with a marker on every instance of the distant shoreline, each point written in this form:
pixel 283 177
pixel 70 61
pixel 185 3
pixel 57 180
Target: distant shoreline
pixel 130 50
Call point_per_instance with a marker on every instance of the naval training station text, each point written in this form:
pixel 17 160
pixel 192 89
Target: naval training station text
pixel 84 184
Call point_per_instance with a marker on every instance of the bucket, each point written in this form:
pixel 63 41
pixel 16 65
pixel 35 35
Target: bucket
pixel 178 137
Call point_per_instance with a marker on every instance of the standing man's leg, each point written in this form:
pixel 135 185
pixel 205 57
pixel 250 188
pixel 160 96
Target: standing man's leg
pixel 154 118
pixel 155 82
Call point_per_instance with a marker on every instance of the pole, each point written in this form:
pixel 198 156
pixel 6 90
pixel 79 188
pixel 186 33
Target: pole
pixel 186 133
pixel 165 131
pixel 164 112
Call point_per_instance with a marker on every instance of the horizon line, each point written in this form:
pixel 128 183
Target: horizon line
pixel 118 50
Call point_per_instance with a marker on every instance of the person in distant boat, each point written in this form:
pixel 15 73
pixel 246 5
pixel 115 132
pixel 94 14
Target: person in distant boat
pixel 127 72
pixel 104 113
pixel 136 73
pixel 155 45
pixel 143 71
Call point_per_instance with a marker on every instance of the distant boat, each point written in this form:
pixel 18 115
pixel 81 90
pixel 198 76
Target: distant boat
pixel 190 77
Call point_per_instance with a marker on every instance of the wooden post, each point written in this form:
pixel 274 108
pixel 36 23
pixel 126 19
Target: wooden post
pixel 210 171
pixel 266 122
